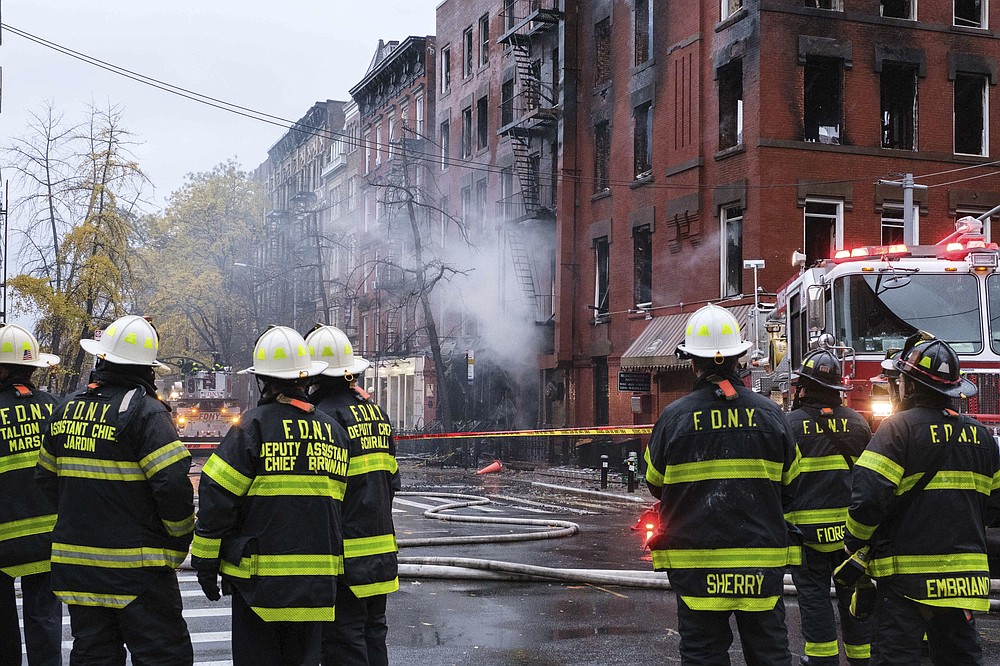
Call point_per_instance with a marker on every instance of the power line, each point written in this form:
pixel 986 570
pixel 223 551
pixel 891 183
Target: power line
pixel 429 158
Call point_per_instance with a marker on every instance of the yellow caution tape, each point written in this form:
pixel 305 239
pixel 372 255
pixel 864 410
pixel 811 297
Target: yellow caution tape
pixel 594 430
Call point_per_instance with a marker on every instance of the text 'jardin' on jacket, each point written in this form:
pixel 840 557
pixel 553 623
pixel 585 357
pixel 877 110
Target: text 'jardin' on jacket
pixel 269 515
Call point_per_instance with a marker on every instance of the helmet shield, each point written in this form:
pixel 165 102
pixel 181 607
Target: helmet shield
pixel 933 363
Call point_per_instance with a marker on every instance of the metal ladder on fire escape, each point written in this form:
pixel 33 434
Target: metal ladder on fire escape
pixel 523 272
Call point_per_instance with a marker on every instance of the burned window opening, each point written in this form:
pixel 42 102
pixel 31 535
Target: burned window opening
pixel 642 258
pixel 901 9
pixel 643 31
pixel 602 52
pixel 602 156
pixel 731 104
pixel 822 222
pixel 732 251
pixel 899 106
pixel 822 92
pixel 602 275
pixel 642 140
pixel 970 114
pixel 832 5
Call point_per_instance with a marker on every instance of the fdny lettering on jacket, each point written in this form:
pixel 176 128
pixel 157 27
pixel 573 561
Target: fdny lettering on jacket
pixel 83 423
pixel 942 432
pixel 732 583
pixel 322 454
pixel 723 419
pixel 821 426
pixel 22 433
pixel 370 429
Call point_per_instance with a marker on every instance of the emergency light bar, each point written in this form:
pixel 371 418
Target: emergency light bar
pixel 871 251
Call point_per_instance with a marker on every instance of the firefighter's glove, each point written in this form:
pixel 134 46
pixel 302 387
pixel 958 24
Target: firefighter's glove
pixel 208 578
pixel 853 568
pixel 863 599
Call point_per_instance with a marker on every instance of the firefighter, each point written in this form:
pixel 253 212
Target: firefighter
pixel 269 512
pixel 112 465
pixel 830 438
pixel 721 460
pixel 26 515
pixel 919 494
pixel 370 572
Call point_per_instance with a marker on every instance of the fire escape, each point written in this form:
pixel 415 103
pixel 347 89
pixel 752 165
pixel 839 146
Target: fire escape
pixel 529 118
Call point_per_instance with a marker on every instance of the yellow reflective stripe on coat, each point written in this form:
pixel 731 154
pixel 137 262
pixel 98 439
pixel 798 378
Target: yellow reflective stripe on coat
pixel 928 564
pixel 176 528
pixel 733 468
pixel 226 476
pixel 287 485
pixel 373 545
pixel 371 589
pixel 95 599
pixel 205 548
pixel 16 529
pixel 793 471
pixel 653 476
pixel 29 569
pixel 285 565
pixel 105 470
pixel 881 465
pixel 981 604
pixel 372 462
pixel 116 558
pixel 817 516
pixel 730 603
pixel 163 457
pixel 825 649
pixel 295 614
pixel 863 651
pixel 46 461
pixel 823 464
pixel 726 558
pixel 17 461
pixel 860 530
pixel 959 480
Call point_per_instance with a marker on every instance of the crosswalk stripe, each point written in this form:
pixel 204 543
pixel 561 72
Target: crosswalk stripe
pixel 222 611
pixel 203 637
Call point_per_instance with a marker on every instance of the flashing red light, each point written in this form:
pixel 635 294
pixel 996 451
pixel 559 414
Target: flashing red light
pixel 897 249
pixel 859 252
pixel 842 254
pixel 954 247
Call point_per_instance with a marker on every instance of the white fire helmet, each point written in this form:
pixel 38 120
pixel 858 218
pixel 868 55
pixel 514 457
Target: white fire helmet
pixel 281 353
pixel 330 344
pixel 19 347
pixel 130 340
pixel 713 332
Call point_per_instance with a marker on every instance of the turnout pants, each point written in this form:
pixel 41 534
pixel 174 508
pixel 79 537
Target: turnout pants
pixel 151 626
pixel 260 643
pixel 819 626
pixel 900 625
pixel 706 636
pixel 357 637
pixel 10 635
pixel 42 622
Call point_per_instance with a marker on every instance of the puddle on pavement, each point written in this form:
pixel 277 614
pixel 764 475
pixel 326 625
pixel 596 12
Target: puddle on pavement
pixel 584 632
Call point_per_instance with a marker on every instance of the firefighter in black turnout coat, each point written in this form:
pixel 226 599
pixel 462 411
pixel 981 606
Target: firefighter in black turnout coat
pixel 112 464
pixel 831 437
pixel 357 637
pixel 269 512
pixel 26 516
pixel 720 460
pixel 916 522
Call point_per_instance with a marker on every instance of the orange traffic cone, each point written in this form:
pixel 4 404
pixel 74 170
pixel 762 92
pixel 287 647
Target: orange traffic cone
pixel 494 466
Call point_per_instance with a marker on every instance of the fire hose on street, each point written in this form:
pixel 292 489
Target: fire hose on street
pixel 465 568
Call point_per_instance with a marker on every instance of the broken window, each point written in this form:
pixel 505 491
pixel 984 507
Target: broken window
pixel 469 53
pixel 732 251
pixel 482 122
pixel 969 13
pixel 893 224
pixel 467 131
pixel 602 156
pixel 899 105
pixel 823 229
pixel 507 103
pixel 643 140
pixel 484 39
pixel 970 114
pixel 643 31
pixel 901 9
pixel 445 143
pixel 823 86
pixel 730 7
pixel 731 104
pixel 642 260
pixel 833 5
pixel 445 70
pixel 602 52
pixel 602 275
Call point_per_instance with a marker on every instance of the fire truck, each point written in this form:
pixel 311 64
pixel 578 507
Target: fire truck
pixel 864 302
pixel 204 406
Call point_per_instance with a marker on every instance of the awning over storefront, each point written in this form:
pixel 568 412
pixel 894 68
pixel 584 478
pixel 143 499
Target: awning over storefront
pixel 654 348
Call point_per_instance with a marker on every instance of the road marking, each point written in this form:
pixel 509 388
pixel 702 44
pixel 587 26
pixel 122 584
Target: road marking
pixel 197 638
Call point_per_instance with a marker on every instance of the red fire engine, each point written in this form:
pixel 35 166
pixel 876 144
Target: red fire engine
pixel 865 302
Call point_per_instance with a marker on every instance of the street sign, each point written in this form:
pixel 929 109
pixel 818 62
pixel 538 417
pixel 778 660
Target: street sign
pixel 633 382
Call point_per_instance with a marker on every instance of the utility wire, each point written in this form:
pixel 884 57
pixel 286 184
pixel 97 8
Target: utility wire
pixel 429 158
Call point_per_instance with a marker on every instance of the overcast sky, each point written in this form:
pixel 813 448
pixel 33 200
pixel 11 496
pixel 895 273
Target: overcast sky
pixel 276 57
